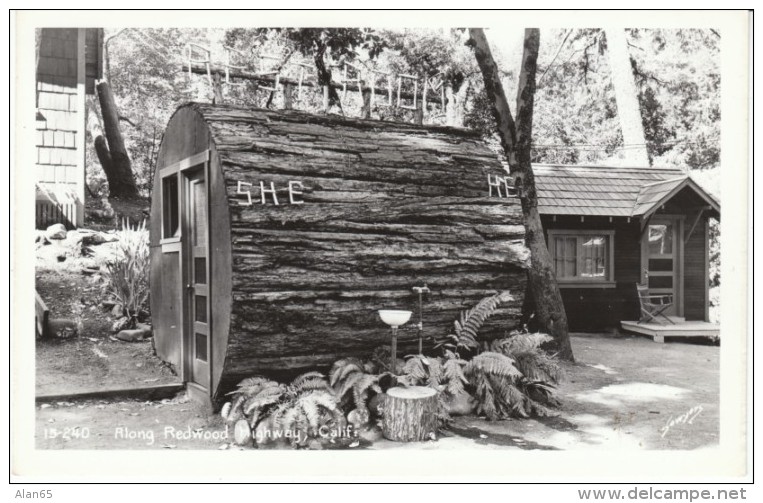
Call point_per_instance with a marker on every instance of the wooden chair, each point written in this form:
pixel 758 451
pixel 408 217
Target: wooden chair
pixel 653 306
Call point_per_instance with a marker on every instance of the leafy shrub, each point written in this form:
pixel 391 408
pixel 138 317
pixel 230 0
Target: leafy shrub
pixel 126 276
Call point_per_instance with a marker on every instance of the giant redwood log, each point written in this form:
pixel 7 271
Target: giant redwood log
pixel 366 211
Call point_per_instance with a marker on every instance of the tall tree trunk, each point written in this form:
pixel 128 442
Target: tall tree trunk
pixel 330 95
pixel 626 96
pixel 118 169
pixel 516 142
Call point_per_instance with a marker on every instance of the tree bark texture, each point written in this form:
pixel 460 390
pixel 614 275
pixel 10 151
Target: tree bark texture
pixel 409 414
pixel 119 169
pixel 516 138
pixel 385 207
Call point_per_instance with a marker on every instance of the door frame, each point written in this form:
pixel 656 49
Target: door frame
pixel 677 221
pixel 199 372
pixel 181 244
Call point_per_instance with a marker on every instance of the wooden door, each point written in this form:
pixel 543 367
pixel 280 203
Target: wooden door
pixel 198 338
pixel 662 260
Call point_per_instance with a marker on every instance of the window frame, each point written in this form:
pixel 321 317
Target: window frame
pixel 579 234
pixel 175 238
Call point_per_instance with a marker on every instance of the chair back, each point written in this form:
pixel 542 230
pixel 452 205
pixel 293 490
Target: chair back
pixel 643 292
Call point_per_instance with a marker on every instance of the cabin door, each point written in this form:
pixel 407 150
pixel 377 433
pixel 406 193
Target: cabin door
pixel 662 252
pixel 197 337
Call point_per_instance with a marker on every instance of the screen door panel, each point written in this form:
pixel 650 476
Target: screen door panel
pixel 199 343
pixel 662 260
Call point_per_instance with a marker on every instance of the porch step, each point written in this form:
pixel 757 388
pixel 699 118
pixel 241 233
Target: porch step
pixel 681 328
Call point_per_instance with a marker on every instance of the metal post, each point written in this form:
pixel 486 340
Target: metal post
pixel 421 290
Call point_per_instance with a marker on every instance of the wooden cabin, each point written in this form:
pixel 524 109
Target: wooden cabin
pixel 609 228
pixel 68 63
pixel 277 235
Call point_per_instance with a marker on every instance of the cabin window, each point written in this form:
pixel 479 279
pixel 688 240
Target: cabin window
pixel 170 207
pixel 582 257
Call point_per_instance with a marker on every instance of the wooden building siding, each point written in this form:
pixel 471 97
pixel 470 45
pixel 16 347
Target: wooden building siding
pixel 695 276
pixel 67 58
pixel 594 308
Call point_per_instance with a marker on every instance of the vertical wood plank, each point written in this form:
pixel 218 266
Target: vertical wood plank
pixel 288 89
pixel 81 115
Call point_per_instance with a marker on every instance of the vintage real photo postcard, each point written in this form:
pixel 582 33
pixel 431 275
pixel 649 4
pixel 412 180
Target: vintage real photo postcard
pixel 398 241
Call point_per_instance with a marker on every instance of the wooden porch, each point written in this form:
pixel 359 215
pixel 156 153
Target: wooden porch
pixel 679 328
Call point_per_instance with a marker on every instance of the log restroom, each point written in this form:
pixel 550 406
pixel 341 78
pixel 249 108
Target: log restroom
pixel 277 235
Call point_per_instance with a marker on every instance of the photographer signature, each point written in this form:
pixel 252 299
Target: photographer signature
pixel 685 418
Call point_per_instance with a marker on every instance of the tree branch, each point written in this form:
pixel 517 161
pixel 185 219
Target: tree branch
pixel 122 118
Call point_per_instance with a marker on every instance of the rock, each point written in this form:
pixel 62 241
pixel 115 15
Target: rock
pixel 74 237
pixel 263 434
pixel 358 417
pixel 120 324
pixel 56 231
pixel 145 327
pixel 375 403
pixel 139 333
pixel 371 434
pixel 315 445
pixel 61 257
pixel 93 239
pixel 117 310
pixel 462 404
pixel 242 433
pixel 108 304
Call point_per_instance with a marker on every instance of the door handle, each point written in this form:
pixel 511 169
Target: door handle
pixel 189 287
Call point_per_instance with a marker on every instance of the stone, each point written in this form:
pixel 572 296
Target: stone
pixel 371 434
pixel 56 231
pixel 375 403
pixel 117 310
pixel 315 444
pixel 61 257
pixel 93 239
pixel 139 333
pixel 358 418
pixel 120 324
pixel 462 404
pixel 130 335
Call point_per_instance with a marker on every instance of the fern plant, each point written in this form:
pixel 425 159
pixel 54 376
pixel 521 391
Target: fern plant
pixel 514 377
pixel 465 337
pixel 253 396
pixel 353 385
pixel 307 413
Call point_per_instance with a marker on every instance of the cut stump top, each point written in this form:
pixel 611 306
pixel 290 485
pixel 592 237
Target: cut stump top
pixel 412 393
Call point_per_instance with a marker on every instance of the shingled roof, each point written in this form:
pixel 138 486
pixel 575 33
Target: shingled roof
pixel 607 190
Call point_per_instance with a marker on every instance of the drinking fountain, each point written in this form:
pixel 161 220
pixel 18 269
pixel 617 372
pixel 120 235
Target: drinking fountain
pixel 394 319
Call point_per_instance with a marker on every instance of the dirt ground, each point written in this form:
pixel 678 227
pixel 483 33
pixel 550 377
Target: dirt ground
pixel 92 359
pixel 624 393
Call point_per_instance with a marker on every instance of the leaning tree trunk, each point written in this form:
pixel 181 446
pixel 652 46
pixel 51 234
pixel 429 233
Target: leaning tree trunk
pixel 516 142
pixel 117 165
pixel 330 94
pixel 626 96
pixel 409 414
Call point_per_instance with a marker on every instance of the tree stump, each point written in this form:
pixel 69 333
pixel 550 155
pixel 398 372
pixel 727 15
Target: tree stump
pixel 409 414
